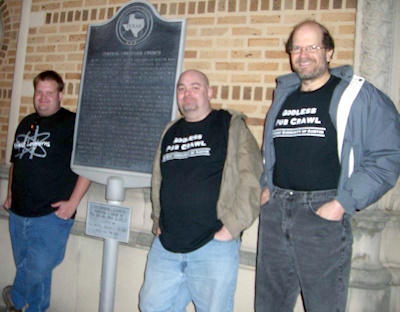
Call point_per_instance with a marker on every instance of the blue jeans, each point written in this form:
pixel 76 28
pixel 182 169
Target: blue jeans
pixel 206 276
pixel 38 246
pixel 300 251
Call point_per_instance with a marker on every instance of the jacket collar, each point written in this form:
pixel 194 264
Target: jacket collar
pixel 292 80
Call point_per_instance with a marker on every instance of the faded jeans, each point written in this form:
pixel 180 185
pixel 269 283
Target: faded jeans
pixel 38 246
pixel 298 251
pixel 206 276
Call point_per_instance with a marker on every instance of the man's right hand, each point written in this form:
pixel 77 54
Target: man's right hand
pixel 265 194
pixel 7 203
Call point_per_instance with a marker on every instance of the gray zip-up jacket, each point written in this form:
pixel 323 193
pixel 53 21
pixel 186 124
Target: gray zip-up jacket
pixel 239 197
pixel 370 152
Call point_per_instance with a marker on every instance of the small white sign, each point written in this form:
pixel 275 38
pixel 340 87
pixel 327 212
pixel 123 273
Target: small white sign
pixel 108 221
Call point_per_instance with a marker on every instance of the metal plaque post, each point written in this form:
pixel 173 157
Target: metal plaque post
pixel 115 195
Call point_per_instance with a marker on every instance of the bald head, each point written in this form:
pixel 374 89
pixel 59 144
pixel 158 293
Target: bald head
pixel 194 95
pixel 326 38
pixel 201 75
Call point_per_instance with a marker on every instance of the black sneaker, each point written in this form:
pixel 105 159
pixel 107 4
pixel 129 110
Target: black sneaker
pixel 7 300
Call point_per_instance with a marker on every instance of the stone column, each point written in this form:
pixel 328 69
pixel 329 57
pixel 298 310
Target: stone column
pixel 390 253
pixel 375 42
pixel 370 281
pixel 18 74
pixel 375 276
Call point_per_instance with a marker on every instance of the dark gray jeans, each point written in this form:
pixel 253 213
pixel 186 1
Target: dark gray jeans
pixel 300 251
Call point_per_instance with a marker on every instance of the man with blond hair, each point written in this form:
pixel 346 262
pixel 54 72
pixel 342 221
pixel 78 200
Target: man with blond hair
pixel 43 195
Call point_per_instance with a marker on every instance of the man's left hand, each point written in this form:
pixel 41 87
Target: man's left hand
pixel 332 210
pixel 65 209
pixel 223 234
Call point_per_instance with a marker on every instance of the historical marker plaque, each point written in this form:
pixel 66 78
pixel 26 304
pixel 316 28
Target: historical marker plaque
pixel 108 221
pixel 127 95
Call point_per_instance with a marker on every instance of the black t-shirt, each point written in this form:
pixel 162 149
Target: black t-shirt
pixel 41 156
pixel 305 141
pixel 192 161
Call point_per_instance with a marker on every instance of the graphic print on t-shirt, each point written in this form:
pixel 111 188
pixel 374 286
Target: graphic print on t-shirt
pixel 303 122
pixel 192 161
pixel 305 141
pixel 34 144
pixel 186 147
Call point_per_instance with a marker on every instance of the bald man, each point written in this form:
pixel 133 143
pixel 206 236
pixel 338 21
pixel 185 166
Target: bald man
pixel 205 193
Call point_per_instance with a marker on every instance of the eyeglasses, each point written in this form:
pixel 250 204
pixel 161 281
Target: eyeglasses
pixel 308 49
pixel 35 123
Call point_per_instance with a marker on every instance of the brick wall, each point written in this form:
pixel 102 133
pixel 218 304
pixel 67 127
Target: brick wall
pixel 9 11
pixel 238 44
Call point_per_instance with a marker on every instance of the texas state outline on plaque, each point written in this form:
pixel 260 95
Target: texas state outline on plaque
pixel 135 25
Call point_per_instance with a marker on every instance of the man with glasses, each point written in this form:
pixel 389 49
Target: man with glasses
pixel 43 195
pixel 331 147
